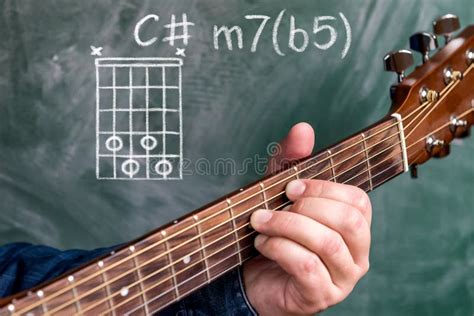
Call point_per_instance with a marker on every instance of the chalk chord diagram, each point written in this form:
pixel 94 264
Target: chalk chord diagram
pixel 139 118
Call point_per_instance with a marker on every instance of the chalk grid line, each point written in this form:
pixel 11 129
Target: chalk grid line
pixel 113 161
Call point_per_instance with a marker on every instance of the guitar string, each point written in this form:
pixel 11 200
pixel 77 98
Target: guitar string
pixel 182 295
pixel 136 295
pixel 436 105
pixel 91 291
pixel 54 294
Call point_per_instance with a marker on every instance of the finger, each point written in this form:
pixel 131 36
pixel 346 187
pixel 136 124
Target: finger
pixel 343 218
pixel 321 240
pixel 305 266
pixel 329 190
pixel 297 144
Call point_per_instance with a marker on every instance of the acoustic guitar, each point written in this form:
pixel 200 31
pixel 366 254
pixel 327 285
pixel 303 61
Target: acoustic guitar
pixel 430 107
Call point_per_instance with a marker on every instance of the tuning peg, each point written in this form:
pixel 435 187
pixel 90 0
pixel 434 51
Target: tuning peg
pixel 437 148
pixel 398 62
pixel 446 25
pixel 424 42
pixel 459 128
pixel 470 56
pixel 414 171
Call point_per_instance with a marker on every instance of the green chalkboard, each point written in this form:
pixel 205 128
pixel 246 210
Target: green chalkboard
pixel 234 103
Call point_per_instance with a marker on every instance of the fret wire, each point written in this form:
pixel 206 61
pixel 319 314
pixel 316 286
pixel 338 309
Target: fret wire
pixel 175 282
pixel 107 291
pixel 231 213
pixel 77 303
pixel 140 283
pixel 331 165
pixel 368 162
pixel 203 249
pixel 118 277
pixel 264 194
pixel 62 291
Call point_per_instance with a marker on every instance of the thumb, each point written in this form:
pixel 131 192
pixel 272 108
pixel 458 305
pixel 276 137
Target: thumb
pixel 296 145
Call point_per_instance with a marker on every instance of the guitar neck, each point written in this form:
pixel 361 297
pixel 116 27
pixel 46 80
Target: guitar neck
pixel 179 258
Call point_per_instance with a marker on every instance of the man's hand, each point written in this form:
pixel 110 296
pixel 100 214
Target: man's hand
pixel 314 251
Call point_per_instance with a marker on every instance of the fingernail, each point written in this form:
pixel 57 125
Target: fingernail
pixel 260 239
pixel 286 208
pixel 295 188
pixel 260 217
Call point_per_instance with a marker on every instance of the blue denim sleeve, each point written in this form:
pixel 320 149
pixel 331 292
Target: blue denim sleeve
pixel 23 266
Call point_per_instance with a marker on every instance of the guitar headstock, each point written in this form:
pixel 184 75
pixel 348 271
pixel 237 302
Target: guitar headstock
pixel 435 101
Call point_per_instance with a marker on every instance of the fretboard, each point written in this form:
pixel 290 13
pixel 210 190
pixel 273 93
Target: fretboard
pixel 179 258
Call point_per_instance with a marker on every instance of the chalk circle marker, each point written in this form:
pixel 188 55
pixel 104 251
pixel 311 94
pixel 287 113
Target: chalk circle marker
pixel 163 168
pixel 114 143
pixel 148 142
pixel 130 167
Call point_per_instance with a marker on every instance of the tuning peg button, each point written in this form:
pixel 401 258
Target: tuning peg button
pixel 446 25
pixel 459 128
pixel 424 43
pixel 398 62
pixel 470 56
pixel 437 148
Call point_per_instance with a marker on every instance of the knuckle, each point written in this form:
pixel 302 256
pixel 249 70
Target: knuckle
pixel 361 200
pixel 353 220
pixel 332 244
pixel 311 264
pixel 274 245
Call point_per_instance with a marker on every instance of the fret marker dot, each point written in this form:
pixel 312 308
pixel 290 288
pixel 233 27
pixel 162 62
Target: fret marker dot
pixel 196 218
pixel 163 233
pixel 70 278
pixel 40 293
pixel 187 259
pixel 131 248
pixel 175 222
pixel 100 264
pixel 124 291
pixel 11 308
